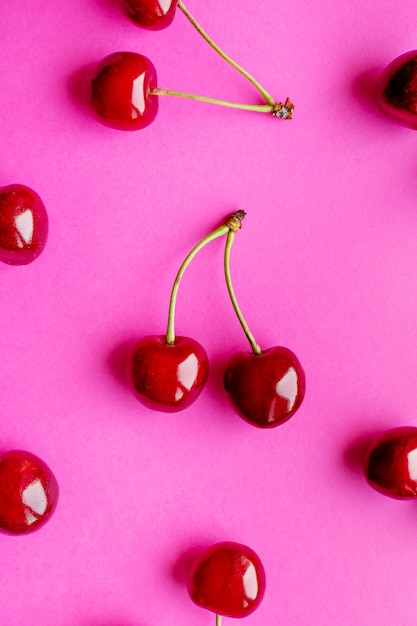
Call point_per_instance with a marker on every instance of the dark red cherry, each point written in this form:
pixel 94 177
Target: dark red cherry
pixel 152 14
pixel 396 92
pixel 168 377
pixel 23 225
pixel 390 464
pixel 120 91
pixel 28 492
pixel 228 579
pixel 266 389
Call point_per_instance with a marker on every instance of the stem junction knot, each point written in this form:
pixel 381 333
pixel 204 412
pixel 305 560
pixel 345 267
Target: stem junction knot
pixel 283 111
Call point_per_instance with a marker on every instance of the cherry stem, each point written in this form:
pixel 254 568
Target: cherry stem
pixel 218 620
pixel 277 109
pixel 229 242
pixel 268 98
pixel 233 223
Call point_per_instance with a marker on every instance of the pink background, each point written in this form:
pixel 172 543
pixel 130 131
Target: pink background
pixel 325 265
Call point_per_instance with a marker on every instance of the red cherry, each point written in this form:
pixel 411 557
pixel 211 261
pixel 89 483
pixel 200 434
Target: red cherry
pixel 152 14
pixel 267 388
pixel 28 492
pixel 120 91
pixel 168 377
pixel 390 464
pixel 396 92
pixel 228 579
pixel 23 225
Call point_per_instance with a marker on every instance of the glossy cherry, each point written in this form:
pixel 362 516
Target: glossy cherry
pixel 228 579
pixel 151 14
pixel 396 92
pixel 168 372
pixel 23 225
pixel 28 492
pixel 120 91
pixel 168 377
pixel 267 388
pixel 390 464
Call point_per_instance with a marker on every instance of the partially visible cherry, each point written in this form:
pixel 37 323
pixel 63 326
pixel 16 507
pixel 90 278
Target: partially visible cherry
pixel 390 464
pixel 151 14
pixel 168 373
pixel 23 225
pixel 266 388
pixel 168 377
pixel 120 91
pixel 228 579
pixel 396 92
pixel 28 492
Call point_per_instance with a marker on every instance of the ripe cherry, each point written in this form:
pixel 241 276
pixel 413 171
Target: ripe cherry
pixel 266 388
pixel 151 14
pixel 396 92
pixel 120 92
pixel 167 373
pixel 228 579
pixel 390 464
pixel 168 377
pixel 123 93
pixel 28 492
pixel 23 225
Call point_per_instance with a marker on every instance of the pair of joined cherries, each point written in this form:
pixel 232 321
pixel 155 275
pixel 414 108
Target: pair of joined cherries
pixel 123 90
pixel 168 372
pixel 23 225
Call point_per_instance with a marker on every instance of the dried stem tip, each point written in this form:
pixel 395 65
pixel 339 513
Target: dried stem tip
pixel 235 221
pixel 283 111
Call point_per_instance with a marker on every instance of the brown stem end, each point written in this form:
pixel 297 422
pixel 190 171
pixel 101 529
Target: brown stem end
pixel 235 220
pixel 284 111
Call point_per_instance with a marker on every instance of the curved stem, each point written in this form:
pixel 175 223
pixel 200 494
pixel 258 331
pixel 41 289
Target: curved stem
pixel 268 98
pixel 284 111
pixel 262 108
pixel 233 223
pixel 218 620
pixel 229 242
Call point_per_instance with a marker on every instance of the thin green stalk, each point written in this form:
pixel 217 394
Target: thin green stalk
pixel 229 242
pixel 262 108
pixel 268 98
pixel 218 620
pixel 233 223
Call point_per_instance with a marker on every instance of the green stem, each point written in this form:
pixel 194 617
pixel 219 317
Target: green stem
pixel 229 242
pixel 233 223
pixel 218 620
pixel 262 108
pixel 268 98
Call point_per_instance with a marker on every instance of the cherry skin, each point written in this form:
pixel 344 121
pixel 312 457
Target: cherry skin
pixel 266 389
pixel 28 492
pixel 167 377
pixel 23 225
pixel 151 14
pixel 228 579
pixel 120 91
pixel 390 464
pixel 396 92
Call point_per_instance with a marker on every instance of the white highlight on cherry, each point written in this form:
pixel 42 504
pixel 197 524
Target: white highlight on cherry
pixel 287 387
pixel 34 498
pixel 25 226
pixel 138 95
